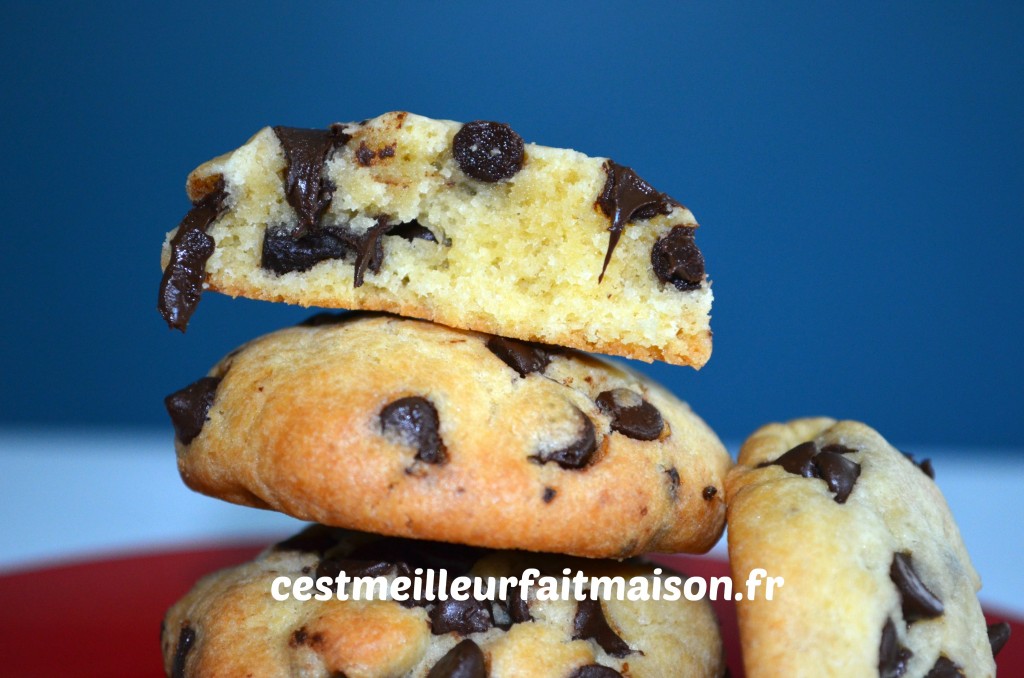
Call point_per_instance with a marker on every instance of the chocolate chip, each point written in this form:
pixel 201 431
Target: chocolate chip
pixel 186 639
pixel 925 465
pixel 488 151
pixel 626 198
pixel 190 406
pixel 465 660
pixel 332 567
pixel 673 482
pixel 631 415
pixel 576 454
pixel 283 253
pixel 414 421
pixel 314 539
pixel 412 230
pixel 998 634
pixel 298 637
pixel 364 156
pixel 181 286
pixel 798 460
pixel 839 472
pixel 590 623
pixel 677 260
pixel 709 493
pixel 523 357
pixel 829 464
pixel 595 671
pixel 892 655
pixel 945 668
pixel 549 494
pixel 306 189
pixel 462 616
pixel 518 607
pixel 918 602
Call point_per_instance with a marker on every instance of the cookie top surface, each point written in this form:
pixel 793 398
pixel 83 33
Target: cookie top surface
pixel 230 623
pixel 877 581
pixel 403 427
pixel 466 225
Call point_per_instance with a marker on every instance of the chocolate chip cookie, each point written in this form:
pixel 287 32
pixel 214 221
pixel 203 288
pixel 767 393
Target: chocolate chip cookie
pixel 407 428
pixel 231 625
pixel 876 578
pixel 463 224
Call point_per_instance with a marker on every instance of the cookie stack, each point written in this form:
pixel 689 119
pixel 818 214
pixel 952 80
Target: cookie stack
pixel 453 423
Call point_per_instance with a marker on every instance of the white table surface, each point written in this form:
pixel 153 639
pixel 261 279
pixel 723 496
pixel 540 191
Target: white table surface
pixel 74 495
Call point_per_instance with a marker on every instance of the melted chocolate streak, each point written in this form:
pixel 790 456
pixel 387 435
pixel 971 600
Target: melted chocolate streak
pixel 306 188
pixel 626 198
pixel 182 284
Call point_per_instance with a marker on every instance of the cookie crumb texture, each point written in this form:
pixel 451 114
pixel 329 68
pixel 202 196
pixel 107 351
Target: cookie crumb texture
pixel 877 579
pixel 402 427
pixel 463 225
pixel 229 625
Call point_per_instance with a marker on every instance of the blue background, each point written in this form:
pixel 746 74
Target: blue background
pixel 856 167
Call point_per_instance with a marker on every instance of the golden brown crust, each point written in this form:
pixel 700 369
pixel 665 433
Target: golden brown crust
pixel 238 629
pixel 296 426
pixel 835 559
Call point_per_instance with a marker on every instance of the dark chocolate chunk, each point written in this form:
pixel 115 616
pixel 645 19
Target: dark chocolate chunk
pixel 892 655
pixel 332 567
pixel 925 465
pixel 306 188
pixel 283 253
pixel 488 151
pixel 523 357
pixel 677 260
pixel 590 623
pixel 839 472
pixel 828 463
pixel 631 415
pixel 186 639
pixel 314 539
pixel 549 494
pixel 462 616
pixel 626 198
pixel 918 602
pixel 518 607
pixel 945 668
pixel 673 482
pixel 190 406
pixel 998 634
pixel 181 286
pixel 364 155
pixel 412 230
pixel 595 671
pixel 415 422
pixel 465 660
pixel 576 454
pixel 370 250
pixel 709 492
pixel 798 460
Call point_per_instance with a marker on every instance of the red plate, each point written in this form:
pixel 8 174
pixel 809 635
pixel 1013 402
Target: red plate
pixel 102 617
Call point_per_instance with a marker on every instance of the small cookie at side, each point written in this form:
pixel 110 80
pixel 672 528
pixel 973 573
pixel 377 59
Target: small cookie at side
pixel 407 428
pixel 231 625
pixel 876 578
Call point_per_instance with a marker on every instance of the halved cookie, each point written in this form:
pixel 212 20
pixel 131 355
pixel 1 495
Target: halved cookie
pixel 460 224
